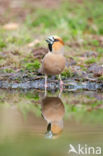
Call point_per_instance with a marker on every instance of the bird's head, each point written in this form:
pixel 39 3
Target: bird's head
pixel 57 127
pixel 54 130
pixel 55 44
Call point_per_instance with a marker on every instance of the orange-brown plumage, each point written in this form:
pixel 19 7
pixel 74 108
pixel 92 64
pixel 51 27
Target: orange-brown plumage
pixel 53 64
pixel 53 112
pixel 52 109
pixel 54 61
pixel 57 46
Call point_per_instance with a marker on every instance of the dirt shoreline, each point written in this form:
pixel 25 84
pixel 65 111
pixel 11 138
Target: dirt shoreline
pixel 22 80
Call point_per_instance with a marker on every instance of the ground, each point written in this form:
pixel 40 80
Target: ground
pixel 25 24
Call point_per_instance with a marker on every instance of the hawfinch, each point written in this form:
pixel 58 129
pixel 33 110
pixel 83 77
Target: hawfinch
pixel 53 112
pixel 54 61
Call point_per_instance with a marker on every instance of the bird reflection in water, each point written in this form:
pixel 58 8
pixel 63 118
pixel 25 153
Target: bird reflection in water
pixel 53 112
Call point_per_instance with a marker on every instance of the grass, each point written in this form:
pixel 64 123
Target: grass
pixel 74 22
pixel 95 43
pixel 100 51
pixel 90 61
pixel 32 66
pixel 101 78
pixel 2 43
pixel 67 73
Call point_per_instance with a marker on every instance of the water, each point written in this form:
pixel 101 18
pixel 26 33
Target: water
pixel 32 124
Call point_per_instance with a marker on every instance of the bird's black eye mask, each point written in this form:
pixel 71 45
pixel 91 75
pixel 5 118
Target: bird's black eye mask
pixel 50 45
pixel 56 40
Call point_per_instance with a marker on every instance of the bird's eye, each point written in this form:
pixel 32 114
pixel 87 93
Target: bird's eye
pixel 56 40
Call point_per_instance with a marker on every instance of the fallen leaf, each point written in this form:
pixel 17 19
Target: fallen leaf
pixel 11 26
pixel 32 44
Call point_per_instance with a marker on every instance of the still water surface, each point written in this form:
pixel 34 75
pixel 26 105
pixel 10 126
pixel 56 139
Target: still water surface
pixel 34 124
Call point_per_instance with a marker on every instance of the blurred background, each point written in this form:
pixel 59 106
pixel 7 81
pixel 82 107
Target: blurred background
pixel 25 24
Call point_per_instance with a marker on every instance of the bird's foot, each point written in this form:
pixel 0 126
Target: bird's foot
pixel 46 85
pixel 61 84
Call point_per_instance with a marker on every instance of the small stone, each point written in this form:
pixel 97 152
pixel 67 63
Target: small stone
pixel 97 70
pixel 90 53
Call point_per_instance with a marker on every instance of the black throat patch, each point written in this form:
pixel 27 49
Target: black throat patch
pixel 50 47
pixel 49 127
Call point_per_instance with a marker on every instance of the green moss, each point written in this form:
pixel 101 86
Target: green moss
pixel 101 78
pixel 67 73
pixel 95 43
pixel 8 70
pixel 32 66
pixel 90 61
pixel 32 96
pixel 100 50
pixel 2 43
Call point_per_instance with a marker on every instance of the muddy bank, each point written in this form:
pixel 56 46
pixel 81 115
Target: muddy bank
pixel 24 81
pixel 39 84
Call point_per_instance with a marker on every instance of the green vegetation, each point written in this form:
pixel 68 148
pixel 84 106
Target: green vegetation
pixel 100 50
pixel 101 78
pixel 95 43
pixel 2 43
pixel 90 61
pixel 74 22
pixel 32 66
pixel 67 73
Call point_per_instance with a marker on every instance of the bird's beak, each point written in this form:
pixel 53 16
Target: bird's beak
pixel 48 41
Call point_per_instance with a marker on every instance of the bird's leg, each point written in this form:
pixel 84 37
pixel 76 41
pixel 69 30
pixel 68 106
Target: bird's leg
pixel 61 83
pixel 46 85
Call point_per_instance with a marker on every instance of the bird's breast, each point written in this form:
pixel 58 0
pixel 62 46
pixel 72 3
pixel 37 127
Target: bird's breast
pixel 53 64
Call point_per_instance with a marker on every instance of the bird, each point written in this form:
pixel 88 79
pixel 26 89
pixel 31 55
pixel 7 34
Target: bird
pixel 54 61
pixel 53 112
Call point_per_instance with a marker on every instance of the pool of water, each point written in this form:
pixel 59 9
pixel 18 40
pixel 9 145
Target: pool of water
pixel 34 124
